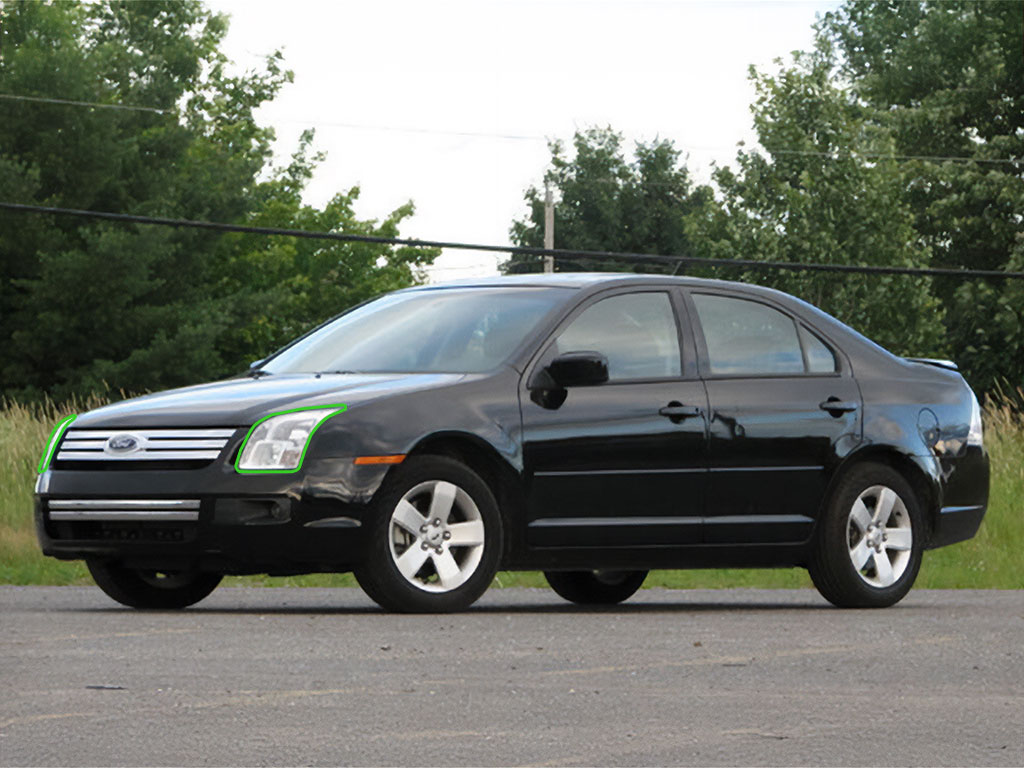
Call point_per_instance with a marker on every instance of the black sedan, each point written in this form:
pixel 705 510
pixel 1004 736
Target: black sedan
pixel 590 426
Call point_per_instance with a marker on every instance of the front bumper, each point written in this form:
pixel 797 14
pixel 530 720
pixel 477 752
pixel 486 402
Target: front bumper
pixel 209 519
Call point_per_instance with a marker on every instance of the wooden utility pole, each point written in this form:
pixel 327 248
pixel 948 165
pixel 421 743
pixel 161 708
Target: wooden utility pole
pixel 549 227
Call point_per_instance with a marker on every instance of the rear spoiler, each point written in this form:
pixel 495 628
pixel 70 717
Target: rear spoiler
pixel 949 365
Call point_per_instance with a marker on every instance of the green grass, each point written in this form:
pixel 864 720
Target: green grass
pixel 993 559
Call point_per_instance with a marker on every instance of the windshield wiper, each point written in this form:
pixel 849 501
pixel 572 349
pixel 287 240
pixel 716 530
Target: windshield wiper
pixel 258 373
pixel 343 372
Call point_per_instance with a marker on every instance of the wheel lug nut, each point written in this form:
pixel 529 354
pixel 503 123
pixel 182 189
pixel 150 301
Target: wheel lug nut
pixel 425 546
pixel 437 521
pixel 439 550
pixel 423 529
pixel 447 535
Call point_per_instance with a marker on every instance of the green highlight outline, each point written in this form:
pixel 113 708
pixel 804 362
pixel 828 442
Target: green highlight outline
pixel 51 445
pixel 339 408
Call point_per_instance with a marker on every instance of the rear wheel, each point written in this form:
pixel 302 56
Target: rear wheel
pixel 434 538
pixel 869 545
pixel 595 587
pixel 161 590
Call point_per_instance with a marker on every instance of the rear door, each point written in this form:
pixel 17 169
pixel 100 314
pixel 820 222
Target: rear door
pixel 619 464
pixel 784 408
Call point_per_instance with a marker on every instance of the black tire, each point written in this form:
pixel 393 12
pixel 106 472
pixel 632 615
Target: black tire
pixel 152 589
pixel 832 566
pixel 595 587
pixel 423 591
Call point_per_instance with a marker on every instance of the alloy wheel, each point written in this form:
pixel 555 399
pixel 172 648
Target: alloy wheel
pixel 436 536
pixel 880 536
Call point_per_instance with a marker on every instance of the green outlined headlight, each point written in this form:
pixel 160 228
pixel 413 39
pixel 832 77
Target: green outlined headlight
pixel 54 441
pixel 278 442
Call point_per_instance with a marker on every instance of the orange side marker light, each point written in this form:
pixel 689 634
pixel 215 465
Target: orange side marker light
pixel 397 458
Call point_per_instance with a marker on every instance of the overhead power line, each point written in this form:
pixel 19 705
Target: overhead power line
pixel 75 103
pixel 457 267
pixel 511 249
pixel 836 155
pixel 874 156
pixel 413 129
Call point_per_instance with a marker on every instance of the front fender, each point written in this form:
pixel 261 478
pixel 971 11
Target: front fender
pixel 481 409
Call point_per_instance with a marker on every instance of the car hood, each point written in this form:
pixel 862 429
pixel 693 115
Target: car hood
pixel 240 402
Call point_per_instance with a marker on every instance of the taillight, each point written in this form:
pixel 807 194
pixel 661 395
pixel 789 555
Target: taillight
pixel 975 436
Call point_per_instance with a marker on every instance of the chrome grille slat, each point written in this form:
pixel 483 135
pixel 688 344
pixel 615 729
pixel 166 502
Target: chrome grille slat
pixel 159 445
pixel 184 444
pixel 83 445
pixel 140 456
pixel 150 433
pixel 124 503
pixel 153 445
pixel 123 510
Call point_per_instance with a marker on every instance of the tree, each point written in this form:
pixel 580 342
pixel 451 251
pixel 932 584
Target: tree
pixel 608 203
pixel 946 80
pixel 819 193
pixel 88 304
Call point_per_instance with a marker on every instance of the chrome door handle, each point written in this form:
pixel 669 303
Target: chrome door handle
pixel 838 406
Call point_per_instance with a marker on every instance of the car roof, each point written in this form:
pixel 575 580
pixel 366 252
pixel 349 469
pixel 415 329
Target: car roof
pixel 580 280
pixel 593 282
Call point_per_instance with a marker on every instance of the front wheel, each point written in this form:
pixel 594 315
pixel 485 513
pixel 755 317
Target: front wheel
pixel 870 540
pixel 159 590
pixel 595 587
pixel 434 538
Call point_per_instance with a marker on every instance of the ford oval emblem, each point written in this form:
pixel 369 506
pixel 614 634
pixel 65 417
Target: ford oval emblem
pixel 123 443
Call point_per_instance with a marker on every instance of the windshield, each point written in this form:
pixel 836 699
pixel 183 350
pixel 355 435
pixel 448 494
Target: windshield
pixel 452 330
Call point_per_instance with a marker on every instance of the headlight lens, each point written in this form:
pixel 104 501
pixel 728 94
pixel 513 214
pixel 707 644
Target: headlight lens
pixel 975 436
pixel 278 443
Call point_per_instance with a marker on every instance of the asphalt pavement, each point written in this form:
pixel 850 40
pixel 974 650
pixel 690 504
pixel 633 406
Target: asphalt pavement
pixel 323 677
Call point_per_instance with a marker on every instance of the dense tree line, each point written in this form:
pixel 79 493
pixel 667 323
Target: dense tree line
pixel 898 140
pixel 87 305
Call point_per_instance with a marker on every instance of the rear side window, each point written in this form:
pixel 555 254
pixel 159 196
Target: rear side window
pixel 747 337
pixel 635 331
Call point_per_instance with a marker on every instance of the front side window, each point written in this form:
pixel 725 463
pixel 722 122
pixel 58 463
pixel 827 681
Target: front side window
pixel 747 337
pixel 635 331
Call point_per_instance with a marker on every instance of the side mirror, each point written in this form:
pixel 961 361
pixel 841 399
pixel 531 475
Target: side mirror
pixel 579 369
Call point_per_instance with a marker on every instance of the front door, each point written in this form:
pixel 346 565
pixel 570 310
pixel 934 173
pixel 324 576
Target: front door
pixel 784 409
pixel 621 463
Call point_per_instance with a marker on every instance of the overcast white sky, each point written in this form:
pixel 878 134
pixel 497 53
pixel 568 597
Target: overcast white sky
pixel 388 85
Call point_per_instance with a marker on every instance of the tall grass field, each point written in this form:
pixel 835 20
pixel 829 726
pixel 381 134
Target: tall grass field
pixel 993 559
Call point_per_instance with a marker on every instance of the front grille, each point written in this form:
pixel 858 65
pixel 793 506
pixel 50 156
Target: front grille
pixel 123 510
pixel 143 444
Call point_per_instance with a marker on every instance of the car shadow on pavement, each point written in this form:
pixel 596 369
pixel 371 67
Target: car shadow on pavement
pixel 541 608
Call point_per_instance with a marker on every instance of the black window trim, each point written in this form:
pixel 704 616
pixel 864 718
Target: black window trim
pixel 704 363
pixel 689 370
